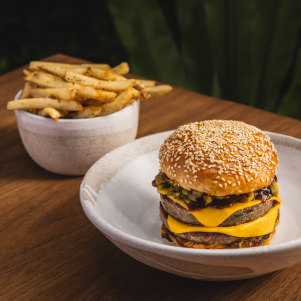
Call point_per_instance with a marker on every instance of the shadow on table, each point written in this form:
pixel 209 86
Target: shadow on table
pixel 170 287
pixel 151 284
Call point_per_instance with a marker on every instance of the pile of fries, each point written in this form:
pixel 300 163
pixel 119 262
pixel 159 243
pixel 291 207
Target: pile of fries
pixel 81 91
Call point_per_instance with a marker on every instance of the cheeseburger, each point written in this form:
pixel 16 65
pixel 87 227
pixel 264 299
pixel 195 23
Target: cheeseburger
pixel 218 186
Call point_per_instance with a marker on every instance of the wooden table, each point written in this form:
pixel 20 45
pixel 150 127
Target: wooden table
pixel 50 251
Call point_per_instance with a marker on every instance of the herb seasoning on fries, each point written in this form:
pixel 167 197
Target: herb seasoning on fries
pixel 62 90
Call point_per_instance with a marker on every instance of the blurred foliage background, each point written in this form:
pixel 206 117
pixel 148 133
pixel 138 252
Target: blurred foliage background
pixel 247 51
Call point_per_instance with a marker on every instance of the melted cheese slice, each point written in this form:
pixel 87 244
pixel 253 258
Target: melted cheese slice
pixel 212 217
pixel 261 226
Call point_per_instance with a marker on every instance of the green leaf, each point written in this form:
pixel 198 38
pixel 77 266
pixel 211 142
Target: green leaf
pixel 215 20
pixel 245 51
pixel 195 48
pixel 252 30
pixel 282 41
pixel 291 103
pixel 148 40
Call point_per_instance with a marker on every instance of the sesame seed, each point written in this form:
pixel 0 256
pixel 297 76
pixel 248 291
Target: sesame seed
pixel 232 147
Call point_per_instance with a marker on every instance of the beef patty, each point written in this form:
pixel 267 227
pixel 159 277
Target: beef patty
pixel 239 217
pixel 207 239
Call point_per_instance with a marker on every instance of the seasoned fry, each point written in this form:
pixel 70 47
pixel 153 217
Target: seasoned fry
pixel 26 90
pixel 122 100
pixel 98 66
pixel 46 80
pixel 93 102
pixel 59 93
pixel 55 70
pixel 53 113
pixel 33 111
pixel 142 82
pixel 102 74
pixel 36 65
pixel 158 90
pixel 81 90
pixel 61 70
pixel 116 86
pixel 145 83
pixel 41 103
pixel 86 92
pixel 79 93
pixel 122 68
pixel 140 92
pixel 87 112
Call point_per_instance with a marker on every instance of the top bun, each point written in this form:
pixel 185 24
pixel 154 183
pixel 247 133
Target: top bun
pixel 219 157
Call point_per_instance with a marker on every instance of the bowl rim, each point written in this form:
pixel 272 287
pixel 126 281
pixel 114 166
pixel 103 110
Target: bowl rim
pixel 71 121
pixel 144 244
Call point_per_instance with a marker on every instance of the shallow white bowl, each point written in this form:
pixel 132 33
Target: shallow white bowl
pixel 118 198
pixel 71 146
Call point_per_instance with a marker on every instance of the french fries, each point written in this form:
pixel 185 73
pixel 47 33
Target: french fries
pixel 26 90
pixel 158 90
pixel 53 113
pixel 36 65
pixel 93 102
pixel 122 100
pixel 122 68
pixel 59 93
pixel 80 79
pixel 41 103
pixel 102 74
pixel 81 91
pixel 88 112
pixel 46 80
pixel 77 93
pixel 139 92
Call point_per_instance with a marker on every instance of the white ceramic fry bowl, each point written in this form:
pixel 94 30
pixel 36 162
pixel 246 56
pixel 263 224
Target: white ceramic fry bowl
pixel 71 146
pixel 118 198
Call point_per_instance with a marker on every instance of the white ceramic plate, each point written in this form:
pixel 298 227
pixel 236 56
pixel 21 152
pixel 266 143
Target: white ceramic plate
pixel 118 198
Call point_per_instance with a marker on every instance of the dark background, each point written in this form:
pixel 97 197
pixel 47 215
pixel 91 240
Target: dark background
pixel 31 30
pixel 247 51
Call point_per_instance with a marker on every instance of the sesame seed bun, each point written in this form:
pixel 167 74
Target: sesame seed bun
pixel 219 157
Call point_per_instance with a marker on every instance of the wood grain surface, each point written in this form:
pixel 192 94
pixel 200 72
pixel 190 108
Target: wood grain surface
pixel 50 251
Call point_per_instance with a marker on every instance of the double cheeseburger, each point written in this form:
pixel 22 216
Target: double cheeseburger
pixel 218 186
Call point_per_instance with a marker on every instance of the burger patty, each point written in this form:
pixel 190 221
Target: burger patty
pixel 239 217
pixel 207 238
pixel 246 242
